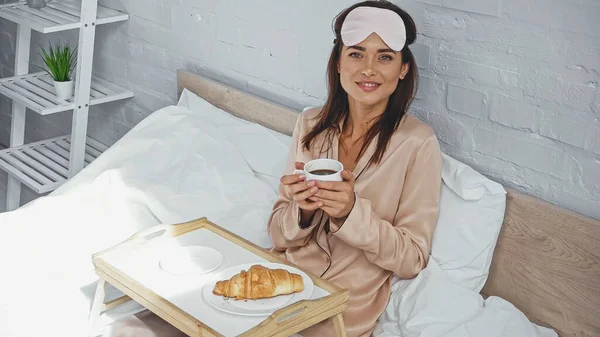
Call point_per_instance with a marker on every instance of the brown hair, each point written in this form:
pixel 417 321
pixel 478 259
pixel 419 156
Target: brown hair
pixel 336 108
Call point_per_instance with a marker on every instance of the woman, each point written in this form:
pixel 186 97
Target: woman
pixel 380 220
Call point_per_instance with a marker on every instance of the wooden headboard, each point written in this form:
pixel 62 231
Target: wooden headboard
pixel 547 260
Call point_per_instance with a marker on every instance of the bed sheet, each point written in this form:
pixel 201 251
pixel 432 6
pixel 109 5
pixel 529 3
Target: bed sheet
pixel 176 166
pixel 432 305
pixel 172 167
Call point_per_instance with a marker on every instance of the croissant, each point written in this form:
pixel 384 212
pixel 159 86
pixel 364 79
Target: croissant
pixel 259 282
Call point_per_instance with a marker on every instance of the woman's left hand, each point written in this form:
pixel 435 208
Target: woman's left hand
pixel 337 196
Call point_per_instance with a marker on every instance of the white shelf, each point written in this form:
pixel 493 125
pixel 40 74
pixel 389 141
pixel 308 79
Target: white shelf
pixel 44 166
pixel 36 91
pixel 58 15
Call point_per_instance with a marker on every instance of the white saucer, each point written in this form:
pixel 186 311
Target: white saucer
pixel 190 260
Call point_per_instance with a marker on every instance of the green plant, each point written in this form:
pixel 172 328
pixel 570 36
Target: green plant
pixel 60 60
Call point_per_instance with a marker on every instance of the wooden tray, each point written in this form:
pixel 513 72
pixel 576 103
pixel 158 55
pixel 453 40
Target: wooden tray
pixel 113 266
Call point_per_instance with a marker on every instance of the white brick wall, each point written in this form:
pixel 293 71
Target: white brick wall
pixel 467 101
pixel 514 113
pixel 511 87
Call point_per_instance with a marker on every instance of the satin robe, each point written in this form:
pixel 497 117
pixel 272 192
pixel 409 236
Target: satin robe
pixel 389 230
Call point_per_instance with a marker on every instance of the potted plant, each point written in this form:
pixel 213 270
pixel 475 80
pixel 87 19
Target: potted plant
pixel 61 61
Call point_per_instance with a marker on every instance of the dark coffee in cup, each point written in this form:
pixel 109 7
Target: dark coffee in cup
pixel 323 172
pixel 322 169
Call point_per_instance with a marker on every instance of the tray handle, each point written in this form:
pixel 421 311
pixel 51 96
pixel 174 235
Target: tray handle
pixel 150 233
pixel 279 323
pixel 281 316
pixel 162 229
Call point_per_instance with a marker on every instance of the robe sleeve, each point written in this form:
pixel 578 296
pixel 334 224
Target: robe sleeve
pixel 284 223
pixel 402 246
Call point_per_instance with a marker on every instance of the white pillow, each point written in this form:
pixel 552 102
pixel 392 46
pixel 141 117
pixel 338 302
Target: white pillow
pixel 207 110
pixel 431 305
pixel 264 150
pixel 471 215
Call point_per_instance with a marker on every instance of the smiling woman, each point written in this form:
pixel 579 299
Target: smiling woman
pixel 364 69
pixel 380 219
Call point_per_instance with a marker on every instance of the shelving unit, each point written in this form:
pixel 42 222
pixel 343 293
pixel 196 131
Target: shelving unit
pixel 56 16
pixel 45 165
pixel 35 91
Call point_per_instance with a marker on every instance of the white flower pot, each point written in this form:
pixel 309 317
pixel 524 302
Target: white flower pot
pixel 37 4
pixel 64 90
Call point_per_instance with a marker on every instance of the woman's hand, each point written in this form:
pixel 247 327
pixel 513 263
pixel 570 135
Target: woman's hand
pixel 337 197
pixel 302 190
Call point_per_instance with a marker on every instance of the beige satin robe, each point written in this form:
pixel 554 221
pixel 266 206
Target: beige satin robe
pixel 389 230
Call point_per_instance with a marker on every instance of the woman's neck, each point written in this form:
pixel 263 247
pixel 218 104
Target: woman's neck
pixel 361 117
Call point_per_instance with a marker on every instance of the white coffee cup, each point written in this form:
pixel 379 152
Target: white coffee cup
pixel 323 169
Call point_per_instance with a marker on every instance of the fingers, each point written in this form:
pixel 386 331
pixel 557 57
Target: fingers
pixel 302 186
pixel 347 176
pixel 305 193
pixel 331 195
pixel 329 185
pixel 314 198
pixel 309 206
pixel 336 204
pixel 338 186
pixel 307 203
pixel 302 191
pixel 333 204
pixel 291 179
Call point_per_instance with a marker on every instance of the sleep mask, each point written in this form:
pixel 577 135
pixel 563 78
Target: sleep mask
pixel 363 21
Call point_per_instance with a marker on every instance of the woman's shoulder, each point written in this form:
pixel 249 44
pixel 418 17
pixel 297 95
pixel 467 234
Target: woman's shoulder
pixel 310 115
pixel 307 118
pixel 415 136
pixel 412 127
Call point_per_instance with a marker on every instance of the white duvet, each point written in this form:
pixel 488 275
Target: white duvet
pixel 173 167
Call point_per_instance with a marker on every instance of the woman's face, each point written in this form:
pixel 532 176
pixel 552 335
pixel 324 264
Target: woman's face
pixel 369 71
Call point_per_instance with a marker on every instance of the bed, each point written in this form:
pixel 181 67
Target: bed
pixel 540 274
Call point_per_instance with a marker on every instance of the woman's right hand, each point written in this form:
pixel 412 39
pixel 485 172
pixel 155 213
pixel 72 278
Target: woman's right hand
pixel 302 190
